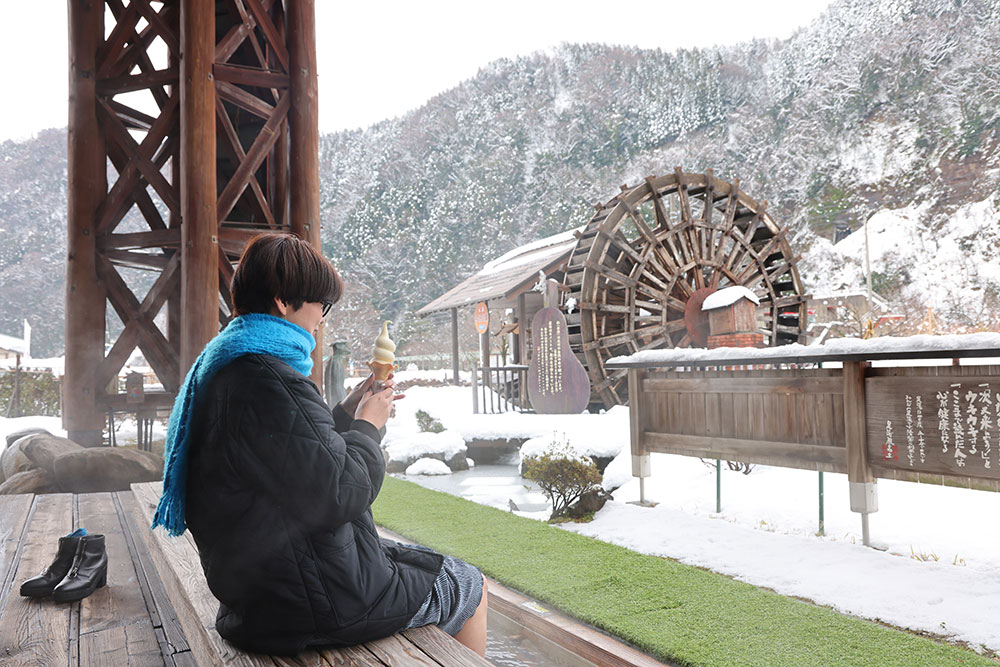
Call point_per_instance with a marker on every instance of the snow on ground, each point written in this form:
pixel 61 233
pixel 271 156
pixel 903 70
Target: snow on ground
pixel 51 424
pixel 595 435
pixel 939 573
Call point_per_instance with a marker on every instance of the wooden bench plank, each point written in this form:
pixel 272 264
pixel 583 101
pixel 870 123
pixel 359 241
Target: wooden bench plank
pixel 169 634
pixel 14 513
pixel 116 614
pixel 176 561
pixel 34 631
pixel 442 648
pixel 131 644
pixel 397 651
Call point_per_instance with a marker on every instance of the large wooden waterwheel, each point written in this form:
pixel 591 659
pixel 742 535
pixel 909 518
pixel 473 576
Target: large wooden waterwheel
pixel 645 262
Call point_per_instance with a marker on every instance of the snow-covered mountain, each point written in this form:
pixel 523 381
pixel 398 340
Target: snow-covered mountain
pixel 874 107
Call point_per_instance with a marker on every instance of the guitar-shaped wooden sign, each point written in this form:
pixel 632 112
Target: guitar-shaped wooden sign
pixel 557 381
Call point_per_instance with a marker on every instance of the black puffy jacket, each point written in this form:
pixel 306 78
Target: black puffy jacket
pixel 279 503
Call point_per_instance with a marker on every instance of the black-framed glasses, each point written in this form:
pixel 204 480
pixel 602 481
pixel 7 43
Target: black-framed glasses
pixel 327 305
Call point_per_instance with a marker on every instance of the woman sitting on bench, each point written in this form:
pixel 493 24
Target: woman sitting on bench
pixel 277 489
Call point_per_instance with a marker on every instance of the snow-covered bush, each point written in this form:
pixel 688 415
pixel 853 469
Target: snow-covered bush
pixel 427 423
pixel 562 474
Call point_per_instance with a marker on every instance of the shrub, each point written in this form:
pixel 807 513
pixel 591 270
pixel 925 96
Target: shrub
pixel 563 476
pixel 427 423
pixel 39 393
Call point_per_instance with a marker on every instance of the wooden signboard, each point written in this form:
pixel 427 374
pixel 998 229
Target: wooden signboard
pixel 481 317
pixel 557 381
pixel 935 425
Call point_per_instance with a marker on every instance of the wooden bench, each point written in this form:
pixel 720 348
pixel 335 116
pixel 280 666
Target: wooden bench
pixel 177 564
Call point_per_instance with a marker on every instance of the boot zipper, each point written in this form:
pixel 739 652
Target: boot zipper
pixel 76 559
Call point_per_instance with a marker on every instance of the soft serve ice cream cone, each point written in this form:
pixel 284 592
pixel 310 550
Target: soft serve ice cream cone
pixel 383 356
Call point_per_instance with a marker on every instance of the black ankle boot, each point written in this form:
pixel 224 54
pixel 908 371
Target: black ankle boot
pixel 88 572
pixel 42 585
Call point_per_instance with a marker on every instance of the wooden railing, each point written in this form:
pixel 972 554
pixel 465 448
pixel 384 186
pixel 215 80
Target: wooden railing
pixel 497 389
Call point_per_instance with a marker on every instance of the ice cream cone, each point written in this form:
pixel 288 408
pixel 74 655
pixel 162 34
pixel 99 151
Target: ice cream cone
pixel 383 357
pixel 381 371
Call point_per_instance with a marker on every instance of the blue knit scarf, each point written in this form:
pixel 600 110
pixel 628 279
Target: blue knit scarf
pixel 255 333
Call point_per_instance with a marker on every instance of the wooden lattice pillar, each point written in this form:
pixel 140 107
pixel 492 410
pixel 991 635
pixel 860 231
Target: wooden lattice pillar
pixel 200 165
pixel 199 231
pixel 304 134
pixel 85 299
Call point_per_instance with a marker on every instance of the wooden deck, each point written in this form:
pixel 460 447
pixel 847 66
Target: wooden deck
pixel 132 621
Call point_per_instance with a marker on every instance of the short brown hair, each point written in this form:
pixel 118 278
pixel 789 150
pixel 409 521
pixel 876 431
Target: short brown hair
pixel 283 266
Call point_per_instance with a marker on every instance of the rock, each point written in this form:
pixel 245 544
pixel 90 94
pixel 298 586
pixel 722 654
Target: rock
pixel 458 462
pixel 13 460
pixel 43 448
pixel 30 481
pixel 590 501
pixel 17 435
pixel 602 462
pixel 98 469
pixel 448 447
pixel 394 466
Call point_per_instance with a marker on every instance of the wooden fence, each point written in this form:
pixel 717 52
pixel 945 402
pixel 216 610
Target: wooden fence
pixel 936 424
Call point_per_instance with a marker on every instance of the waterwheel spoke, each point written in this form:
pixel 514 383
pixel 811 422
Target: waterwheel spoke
pixel 662 220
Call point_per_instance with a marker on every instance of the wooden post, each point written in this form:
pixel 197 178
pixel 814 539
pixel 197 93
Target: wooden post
pixel 174 313
pixel 522 329
pixel 199 240
pixel 86 187
pixel 304 217
pixel 640 455
pixel 454 344
pixel 863 488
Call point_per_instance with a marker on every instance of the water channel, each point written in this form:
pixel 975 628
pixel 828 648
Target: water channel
pixel 508 643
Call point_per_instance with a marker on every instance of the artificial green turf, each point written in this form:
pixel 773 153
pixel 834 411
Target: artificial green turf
pixel 673 611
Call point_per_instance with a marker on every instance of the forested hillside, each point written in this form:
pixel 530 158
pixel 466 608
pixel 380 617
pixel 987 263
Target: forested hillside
pixel 872 106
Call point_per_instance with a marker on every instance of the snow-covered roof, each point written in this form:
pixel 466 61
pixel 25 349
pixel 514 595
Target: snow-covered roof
pixel 16 345
pixel 727 296
pixel 507 275
pixel 838 349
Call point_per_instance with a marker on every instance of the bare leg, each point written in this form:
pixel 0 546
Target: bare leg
pixel 473 633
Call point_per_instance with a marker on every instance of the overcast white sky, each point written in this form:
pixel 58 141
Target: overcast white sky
pixel 380 63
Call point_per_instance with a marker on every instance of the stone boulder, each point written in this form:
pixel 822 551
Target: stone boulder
pixel 14 436
pixel 591 501
pixel 13 460
pixel 30 481
pixel 96 469
pixel 446 446
pixel 44 448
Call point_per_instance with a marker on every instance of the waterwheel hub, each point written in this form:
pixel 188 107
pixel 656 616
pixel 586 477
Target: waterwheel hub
pixel 695 319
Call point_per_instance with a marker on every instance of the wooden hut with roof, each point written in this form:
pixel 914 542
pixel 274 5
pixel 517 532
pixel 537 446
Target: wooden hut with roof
pixel 507 282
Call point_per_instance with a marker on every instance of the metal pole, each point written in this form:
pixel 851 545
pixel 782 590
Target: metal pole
pixel 820 503
pixel 868 270
pixel 865 537
pixel 718 486
pixel 475 388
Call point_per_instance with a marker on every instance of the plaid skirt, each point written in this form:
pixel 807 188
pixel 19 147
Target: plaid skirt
pixel 453 599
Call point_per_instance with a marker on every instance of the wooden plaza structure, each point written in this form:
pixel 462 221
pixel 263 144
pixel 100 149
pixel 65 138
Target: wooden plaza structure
pixel 206 113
